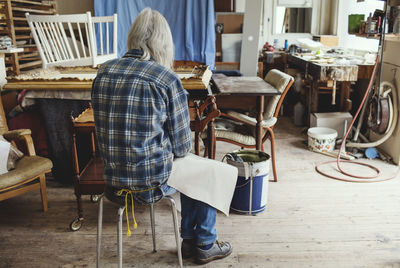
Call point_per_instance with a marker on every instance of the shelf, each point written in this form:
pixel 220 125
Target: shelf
pixel 29 55
pixel 30 64
pixel 31 3
pixel 14 23
pixel 369 36
pixel 33 11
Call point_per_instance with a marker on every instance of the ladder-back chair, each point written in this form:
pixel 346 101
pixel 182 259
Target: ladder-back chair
pixel 70 40
pixel 239 129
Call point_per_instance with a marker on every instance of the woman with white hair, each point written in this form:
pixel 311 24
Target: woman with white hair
pixel 143 124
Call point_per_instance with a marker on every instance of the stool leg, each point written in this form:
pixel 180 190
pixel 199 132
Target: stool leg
pixel 119 231
pixel 176 228
pixel 153 226
pixel 99 230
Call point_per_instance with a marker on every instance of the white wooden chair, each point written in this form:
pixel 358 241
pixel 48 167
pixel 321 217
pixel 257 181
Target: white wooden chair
pixel 70 40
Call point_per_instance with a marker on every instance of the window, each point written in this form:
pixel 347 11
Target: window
pixel 292 20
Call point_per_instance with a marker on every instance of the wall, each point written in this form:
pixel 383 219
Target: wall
pixel 352 7
pixel 75 6
pixel 267 25
pixel 345 8
pixel 239 4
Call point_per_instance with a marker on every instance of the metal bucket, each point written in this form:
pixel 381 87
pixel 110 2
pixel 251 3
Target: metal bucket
pixel 251 192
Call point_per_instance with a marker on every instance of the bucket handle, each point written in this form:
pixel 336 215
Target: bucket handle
pixel 234 157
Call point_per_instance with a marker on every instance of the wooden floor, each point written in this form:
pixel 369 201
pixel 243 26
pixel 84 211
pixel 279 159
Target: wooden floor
pixel 311 221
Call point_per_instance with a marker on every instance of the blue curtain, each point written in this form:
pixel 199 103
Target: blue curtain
pixel 191 22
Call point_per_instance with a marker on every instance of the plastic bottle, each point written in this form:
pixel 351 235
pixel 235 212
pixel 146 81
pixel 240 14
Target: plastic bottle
pixel 369 24
pixel 276 43
pixel 286 45
pixel 298 114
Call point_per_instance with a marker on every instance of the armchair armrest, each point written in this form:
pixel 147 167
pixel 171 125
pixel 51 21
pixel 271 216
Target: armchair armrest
pixel 16 134
pixel 21 134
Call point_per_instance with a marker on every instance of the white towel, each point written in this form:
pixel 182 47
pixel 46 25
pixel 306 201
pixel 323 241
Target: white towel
pixel 204 179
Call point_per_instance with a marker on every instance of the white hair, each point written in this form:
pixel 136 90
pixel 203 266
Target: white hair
pixel 151 33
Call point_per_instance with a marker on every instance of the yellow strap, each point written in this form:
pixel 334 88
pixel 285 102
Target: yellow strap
pixel 130 192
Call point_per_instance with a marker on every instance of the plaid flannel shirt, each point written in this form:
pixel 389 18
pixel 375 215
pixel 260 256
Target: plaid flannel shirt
pixel 142 122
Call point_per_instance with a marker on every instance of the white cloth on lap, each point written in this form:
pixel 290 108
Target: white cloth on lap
pixel 204 179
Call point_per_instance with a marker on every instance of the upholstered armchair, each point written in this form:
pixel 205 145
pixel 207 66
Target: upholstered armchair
pixel 29 172
pixel 240 129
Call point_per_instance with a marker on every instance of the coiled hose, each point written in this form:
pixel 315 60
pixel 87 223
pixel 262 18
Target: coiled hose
pixel 357 178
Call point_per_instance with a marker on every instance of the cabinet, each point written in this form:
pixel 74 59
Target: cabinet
pixel 391 73
pixel 13 23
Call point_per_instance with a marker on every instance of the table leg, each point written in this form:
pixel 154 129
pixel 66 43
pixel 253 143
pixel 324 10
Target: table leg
pixel 314 96
pixel 345 102
pixel 260 117
pixel 211 134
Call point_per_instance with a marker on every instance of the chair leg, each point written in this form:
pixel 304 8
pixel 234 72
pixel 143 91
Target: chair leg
pixel 272 139
pixel 99 230
pixel 119 233
pixel 43 194
pixel 153 226
pixel 215 148
pixel 197 143
pixel 205 148
pixel 176 228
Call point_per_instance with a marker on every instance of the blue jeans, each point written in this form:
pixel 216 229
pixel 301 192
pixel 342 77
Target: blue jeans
pixel 198 219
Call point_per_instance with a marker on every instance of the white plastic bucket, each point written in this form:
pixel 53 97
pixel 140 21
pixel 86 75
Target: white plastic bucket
pixel 321 139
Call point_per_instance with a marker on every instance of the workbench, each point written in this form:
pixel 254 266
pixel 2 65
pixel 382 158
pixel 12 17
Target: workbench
pixel 324 72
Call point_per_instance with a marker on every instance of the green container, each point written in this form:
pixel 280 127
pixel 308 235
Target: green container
pixel 355 22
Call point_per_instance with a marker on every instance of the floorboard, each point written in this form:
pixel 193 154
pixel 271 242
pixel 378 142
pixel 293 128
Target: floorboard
pixel 311 221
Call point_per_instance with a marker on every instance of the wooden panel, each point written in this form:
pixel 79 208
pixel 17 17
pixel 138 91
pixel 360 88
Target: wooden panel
pixel 224 5
pixel 233 23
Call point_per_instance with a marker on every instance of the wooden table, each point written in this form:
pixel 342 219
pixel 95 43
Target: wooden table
pixel 325 72
pixel 243 92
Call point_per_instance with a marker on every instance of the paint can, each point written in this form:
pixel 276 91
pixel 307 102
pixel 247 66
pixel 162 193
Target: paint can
pixel 251 192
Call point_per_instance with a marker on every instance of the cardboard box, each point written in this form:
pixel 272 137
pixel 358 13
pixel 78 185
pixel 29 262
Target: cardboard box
pixel 391 51
pixel 334 120
pixel 327 40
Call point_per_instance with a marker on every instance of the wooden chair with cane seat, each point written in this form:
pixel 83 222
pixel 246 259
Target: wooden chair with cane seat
pixel 239 129
pixel 30 170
